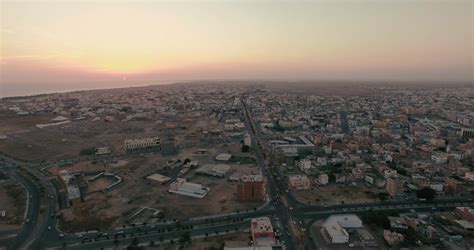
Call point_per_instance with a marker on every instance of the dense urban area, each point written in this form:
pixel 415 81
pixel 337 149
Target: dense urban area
pixel 239 166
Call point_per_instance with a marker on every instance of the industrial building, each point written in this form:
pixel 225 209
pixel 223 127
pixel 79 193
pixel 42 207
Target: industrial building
pixel 180 186
pixel 334 228
pixel 262 232
pixel 134 144
pixel 216 170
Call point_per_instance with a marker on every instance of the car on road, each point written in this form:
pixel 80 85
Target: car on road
pixel 60 235
pixel 49 228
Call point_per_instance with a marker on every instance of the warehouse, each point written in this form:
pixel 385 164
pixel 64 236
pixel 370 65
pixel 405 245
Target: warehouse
pixel 216 170
pixel 180 186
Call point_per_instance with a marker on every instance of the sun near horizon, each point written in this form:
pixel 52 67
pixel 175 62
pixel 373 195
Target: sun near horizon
pixel 394 40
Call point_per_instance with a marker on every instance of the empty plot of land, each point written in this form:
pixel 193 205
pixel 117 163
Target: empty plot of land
pixel 334 194
pixel 80 167
pixel 99 184
pixel 12 205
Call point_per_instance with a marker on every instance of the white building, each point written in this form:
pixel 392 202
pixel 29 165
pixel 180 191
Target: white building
pixel 438 187
pixel 304 165
pixel 132 144
pixel 102 151
pixel 247 140
pixel 323 179
pixel 439 158
pixel 216 170
pixel 334 228
pixel 180 186
pixel 223 157
pixel 321 161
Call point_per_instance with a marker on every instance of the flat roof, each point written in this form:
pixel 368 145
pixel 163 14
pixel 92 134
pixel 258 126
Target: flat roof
pixel 158 177
pixel 214 169
pixel 223 157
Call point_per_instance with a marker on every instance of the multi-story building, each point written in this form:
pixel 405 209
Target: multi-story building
pixel 394 186
pixel 467 213
pixel 247 140
pixel 467 133
pixel 304 164
pixel 262 232
pixel 299 182
pixel 252 188
pixel 323 179
pixel 133 144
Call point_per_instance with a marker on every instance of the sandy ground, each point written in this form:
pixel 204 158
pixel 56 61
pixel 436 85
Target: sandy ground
pixel 88 166
pixel 66 141
pixel 334 194
pixel 13 202
pixel 115 207
pixel 99 184
pixel 212 242
pixel 11 123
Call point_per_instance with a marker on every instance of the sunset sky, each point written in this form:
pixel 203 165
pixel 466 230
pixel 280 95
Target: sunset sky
pixel 71 41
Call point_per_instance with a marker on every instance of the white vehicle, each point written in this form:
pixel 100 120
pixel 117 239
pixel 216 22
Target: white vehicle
pixel 60 235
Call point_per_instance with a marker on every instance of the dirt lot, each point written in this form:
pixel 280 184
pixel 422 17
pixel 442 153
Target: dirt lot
pixel 11 123
pixel 88 166
pixel 114 208
pixel 13 202
pixel 235 239
pixel 335 194
pixel 66 141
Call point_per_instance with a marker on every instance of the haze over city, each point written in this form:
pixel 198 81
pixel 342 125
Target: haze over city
pixel 89 44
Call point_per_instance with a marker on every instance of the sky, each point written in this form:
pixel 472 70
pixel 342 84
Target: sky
pixel 82 42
